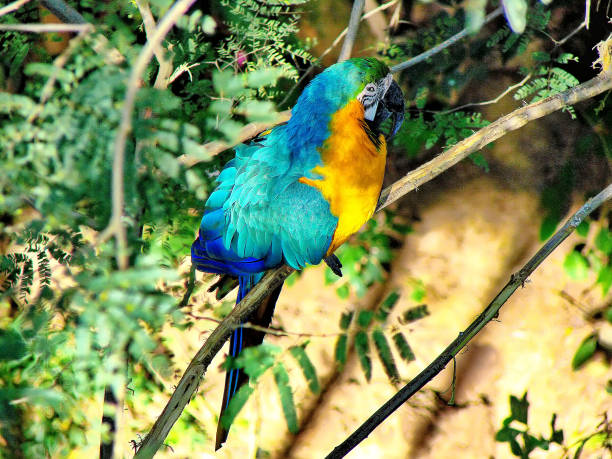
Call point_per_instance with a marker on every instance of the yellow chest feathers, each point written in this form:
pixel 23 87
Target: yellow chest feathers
pixel 353 171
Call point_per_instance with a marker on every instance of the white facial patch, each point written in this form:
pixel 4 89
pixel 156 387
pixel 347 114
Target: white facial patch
pixel 372 94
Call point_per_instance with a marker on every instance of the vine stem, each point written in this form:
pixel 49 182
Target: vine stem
pixel 490 312
pixel 188 384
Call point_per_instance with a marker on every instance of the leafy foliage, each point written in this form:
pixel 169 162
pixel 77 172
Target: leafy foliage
pixel 71 323
pixel 370 328
pixel 521 442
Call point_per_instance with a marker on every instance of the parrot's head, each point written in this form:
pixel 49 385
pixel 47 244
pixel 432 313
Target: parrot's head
pixel 379 94
pixel 366 80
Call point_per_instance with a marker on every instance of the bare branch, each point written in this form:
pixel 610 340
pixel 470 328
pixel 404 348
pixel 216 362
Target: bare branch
pixel 12 7
pixel 445 44
pixel 115 226
pixel 165 63
pixel 199 364
pixel 354 20
pixel 508 90
pixel 47 28
pixel 516 280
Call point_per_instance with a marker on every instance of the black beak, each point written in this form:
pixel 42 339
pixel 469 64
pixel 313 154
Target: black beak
pixel 392 105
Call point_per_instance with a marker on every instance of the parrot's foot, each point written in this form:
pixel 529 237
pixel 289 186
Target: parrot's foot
pixel 334 263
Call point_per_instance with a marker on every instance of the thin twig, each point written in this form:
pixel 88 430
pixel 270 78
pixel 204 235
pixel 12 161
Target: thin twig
pixel 445 44
pixel 337 40
pixel 115 226
pixel 516 280
pixel 491 101
pixel 46 28
pixel 12 7
pixel 165 63
pixel 349 41
pixel 272 279
pixel 268 330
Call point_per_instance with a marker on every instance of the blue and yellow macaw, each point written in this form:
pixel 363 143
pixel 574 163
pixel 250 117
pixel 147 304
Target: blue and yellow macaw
pixel 295 194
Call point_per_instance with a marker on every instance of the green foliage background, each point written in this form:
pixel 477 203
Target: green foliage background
pixel 71 323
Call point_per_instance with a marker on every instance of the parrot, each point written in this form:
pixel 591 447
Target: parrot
pixel 295 193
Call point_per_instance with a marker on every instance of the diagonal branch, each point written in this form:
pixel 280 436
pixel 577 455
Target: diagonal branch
pixel 199 364
pixel 490 312
pixel 351 34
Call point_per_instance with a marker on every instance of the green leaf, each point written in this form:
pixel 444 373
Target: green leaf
pixel 235 405
pixel 415 313
pixel 548 226
pixel 386 357
pixel 519 408
pixel 362 346
pixel 340 351
pixel 576 266
pixel 608 314
pixel 228 85
pixel 345 319
pixel 387 305
pixel 585 351
pixel 12 345
pixel 310 373
pixel 364 318
pixel 479 160
pixel 583 228
pixel 286 396
pixel 257 110
pixel 603 241
pixel 604 278
pixel 506 434
pixel 403 347
pixel 263 77
pixel 556 436
pixel 343 291
pixel 516 14
pixel 208 25
pixel 257 359
pixel 474 15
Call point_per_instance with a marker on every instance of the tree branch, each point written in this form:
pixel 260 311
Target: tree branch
pixel 445 44
pixel 115 226
pixel 199 364
pixel 490 312
pixel 12 7
pixel 349 41
pixel 47 28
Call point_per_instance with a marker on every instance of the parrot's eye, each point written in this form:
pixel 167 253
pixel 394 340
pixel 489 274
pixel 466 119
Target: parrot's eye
pixel 370 88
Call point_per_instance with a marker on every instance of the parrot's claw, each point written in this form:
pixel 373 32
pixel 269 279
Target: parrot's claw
pixel 334 263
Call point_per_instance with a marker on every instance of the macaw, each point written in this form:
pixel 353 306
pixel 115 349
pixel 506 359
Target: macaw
pixel 296 193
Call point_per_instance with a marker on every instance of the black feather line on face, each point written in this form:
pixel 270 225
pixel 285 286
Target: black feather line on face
pixel 373 134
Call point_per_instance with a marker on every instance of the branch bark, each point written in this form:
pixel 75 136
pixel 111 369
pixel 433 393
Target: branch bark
pixel 516 280
pixel 349 41
pixel 199 364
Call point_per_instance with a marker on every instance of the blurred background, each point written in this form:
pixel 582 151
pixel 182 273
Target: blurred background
pixel 76 324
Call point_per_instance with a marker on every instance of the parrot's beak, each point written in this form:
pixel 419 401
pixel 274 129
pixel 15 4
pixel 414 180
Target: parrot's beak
pixel 394 101
pixel 391 105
